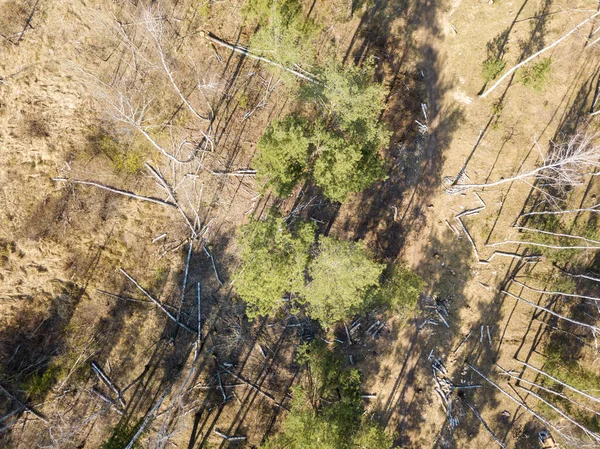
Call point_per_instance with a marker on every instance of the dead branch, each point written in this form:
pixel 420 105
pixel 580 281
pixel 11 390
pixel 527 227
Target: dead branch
pixel 582 276
pixel 229 438
pixel 106 399
pixel 115 190
pixel 154 27
pixel 257 389
pixel 25 407
pixel 199 336
pixel 126 112
pixel 565 165
pixel 463 341
pixel 155 301
pixel 167 188
pixel 106 380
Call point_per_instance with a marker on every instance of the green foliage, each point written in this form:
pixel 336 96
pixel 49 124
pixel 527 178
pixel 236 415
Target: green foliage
pixel 130 162
pixel 341 148
pixel 121 436
pixel 400 291
pixel 38 385
pixel 348 162
pixel 350 134
pixel 491 68
pixel 536 75
pixel 284 33
pixel 283 154
pixel 342 277
pixel 327 410
pixel 563 364
pixel 564 367
pixel 123 160
pixel 551 223
pixel 273 262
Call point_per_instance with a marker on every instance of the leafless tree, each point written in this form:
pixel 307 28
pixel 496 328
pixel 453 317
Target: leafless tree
pixel 564 166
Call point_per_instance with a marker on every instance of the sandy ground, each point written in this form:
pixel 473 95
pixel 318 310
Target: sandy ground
pixel 62 244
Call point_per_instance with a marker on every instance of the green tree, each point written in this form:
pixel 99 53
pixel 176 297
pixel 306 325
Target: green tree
pixel 342 277
pixel 346 163
pixel 274 259
pixel 327 410
pixel 350 95
pixel 284 33
pixel 351 134
pixel 400 290
pixel 284 151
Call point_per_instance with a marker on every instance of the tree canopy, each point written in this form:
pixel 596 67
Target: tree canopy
pixel 341 277
pixel 327 410
pixel 338 145
pixel 334 279
pixel 284 33
pixel 399 291
pixel 273 263
pixel 284 151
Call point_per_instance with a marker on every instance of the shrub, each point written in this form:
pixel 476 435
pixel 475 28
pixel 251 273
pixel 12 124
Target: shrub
pixel 491 68
pixel 536 75
pixel 38 385
pixel 284 33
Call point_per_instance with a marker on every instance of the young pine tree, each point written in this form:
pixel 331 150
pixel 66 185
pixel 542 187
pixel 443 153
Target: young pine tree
pixel 342 278
pixel 274 259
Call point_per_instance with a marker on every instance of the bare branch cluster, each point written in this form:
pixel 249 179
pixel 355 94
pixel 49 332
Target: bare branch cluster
pixel 565 165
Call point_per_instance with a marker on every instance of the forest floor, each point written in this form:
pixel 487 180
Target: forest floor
pixel 61 246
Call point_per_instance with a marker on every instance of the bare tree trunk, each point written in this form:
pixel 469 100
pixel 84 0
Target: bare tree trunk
pixel 594 329
pixel 119 191
pixel 541 245
pixel 545 292
pixel 535 55
pixel 478 416
pixel 185 278
pixel 539 371
pixel 155 301
pixel 556 234
pixel 547 390
pixel 244 51
pixel 595 209
pixel 520 403
pixel 148 418
pixel 592 435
